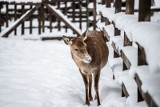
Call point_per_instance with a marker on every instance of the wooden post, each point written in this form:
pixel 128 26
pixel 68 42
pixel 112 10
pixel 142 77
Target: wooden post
pixel 43 18
pixel 7 14
pixel 39 26
pixel 103 1
pixel 108 3
pixel 50 24
pixel 30 27
pixel 94 15
pixel 118 5
pixel 65 13
pixel 1 5
pixel 22 26
pixel 80 16
pixel 129 7
pixel 59 22
pixel 15 17
pixel 144 10
pixel 87 13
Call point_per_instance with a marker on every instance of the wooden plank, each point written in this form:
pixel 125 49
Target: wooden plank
pixel 125 92
pixel 15 17
pixel 118 5
pixel 115 53
pixel 30 22
pixel 7 14
pixel 80 15
pixel 127 42
pixel 22 19
pixel 22 26
pixel 94 14
pixel 144 10
pixel 141 56
pixel 62 19
pixel 129 7
pixel 144 96
pixel 127 63
pixel 53 38
pixel 87 13
pixel 108 3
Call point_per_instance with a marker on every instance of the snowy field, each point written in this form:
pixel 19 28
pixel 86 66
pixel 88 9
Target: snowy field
pixel 34 73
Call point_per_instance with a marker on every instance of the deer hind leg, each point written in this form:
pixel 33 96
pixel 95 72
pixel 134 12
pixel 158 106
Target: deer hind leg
pixel 86 83
pixel 90 87
pixel 96 86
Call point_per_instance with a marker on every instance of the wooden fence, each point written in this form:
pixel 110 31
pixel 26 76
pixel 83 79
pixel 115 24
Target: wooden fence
pixel 128 53
pixel 77 11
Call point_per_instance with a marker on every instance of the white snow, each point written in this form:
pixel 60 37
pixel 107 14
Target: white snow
pixel 43 74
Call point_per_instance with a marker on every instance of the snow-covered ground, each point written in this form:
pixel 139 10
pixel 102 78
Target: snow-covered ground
pixel 34 73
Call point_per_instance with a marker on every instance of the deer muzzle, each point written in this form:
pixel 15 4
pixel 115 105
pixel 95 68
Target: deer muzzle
pixel 87 59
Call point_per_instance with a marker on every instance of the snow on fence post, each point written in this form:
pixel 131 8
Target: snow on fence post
pixel 144 10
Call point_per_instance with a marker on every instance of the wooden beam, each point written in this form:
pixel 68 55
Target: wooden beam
pixel 129 7
pixel 62 19
pixel 144 10
pixel 6 32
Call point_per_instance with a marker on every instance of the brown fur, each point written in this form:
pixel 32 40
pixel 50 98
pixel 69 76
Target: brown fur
pixel 93 44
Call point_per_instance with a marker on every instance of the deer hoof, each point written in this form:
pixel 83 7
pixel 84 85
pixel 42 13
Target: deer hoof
pixel 88 103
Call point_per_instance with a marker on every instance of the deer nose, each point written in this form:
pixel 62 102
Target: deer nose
pixel 87 59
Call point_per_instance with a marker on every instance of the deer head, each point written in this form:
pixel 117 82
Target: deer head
pixel 79 47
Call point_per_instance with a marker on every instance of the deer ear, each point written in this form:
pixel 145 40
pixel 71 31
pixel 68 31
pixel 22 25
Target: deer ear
pixel 67 40
pixel 85 34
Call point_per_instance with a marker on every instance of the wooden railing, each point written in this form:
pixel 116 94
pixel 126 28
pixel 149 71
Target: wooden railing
pixel 77 11
pixel 132 53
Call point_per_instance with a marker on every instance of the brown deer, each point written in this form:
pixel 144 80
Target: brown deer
pixel 90 53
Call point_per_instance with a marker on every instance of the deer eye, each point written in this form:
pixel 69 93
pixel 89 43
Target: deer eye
pixel 76 49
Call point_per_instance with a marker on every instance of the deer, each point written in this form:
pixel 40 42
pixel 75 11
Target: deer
pixel 90 53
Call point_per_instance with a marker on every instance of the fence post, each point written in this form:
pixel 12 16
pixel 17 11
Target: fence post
pixel 144 10
pixel 7 14
pixel 1 21
pixel 23 11
pixel 94 15
pixel 87 13
pixel 15 16
pixel 129 7
pixel 108 3
pixel 30 27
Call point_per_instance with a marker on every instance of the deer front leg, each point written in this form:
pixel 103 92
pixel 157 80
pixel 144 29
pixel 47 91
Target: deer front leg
pixel 86 83
pixel 96 86
pixel 90 87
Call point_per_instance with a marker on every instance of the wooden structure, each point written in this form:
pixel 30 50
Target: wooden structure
pixel 77 11
pixel 144 14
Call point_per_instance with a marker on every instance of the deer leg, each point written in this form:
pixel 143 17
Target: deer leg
pixel 90 87
pixel 86 83
pixel 96 86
